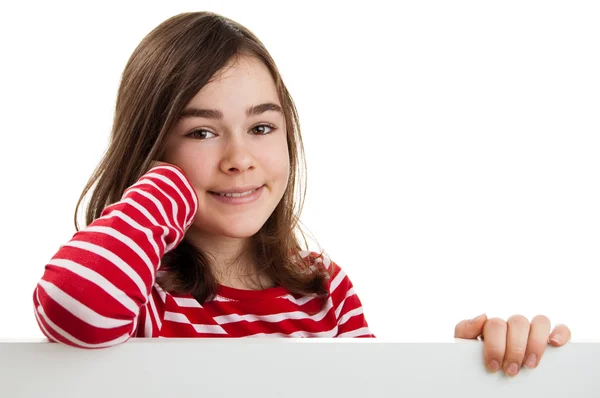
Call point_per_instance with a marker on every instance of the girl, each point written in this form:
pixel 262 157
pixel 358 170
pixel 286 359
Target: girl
pixel 190 227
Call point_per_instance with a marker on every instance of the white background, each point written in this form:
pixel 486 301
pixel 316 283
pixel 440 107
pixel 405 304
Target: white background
pixel 453 147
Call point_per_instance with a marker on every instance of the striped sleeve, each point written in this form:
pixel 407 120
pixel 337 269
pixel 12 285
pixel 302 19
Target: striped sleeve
pixel 96 291
pixel 152 314
pixel 351 321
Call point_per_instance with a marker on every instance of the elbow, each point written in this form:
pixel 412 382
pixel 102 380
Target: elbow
pixel 60 325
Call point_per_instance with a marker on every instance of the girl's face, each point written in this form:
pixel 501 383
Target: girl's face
pixel 231 143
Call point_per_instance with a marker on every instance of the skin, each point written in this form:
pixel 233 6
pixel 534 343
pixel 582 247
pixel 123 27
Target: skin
pixel 509 345
pixel 237 151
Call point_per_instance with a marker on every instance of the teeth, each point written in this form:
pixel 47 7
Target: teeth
pixel 237 195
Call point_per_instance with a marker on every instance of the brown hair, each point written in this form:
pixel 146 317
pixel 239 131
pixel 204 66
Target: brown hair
pixel 166 70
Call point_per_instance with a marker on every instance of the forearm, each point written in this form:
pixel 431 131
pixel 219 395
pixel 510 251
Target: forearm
pixel 93 287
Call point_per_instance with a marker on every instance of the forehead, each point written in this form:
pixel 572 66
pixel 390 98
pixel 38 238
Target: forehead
pixel 242 82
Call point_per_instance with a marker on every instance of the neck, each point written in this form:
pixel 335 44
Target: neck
pixel 230 260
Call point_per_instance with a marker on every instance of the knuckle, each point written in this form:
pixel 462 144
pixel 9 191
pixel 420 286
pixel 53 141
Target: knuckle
pixel 518 320
pixel 496 323
pixel 543 319
pixel 536 347
pixel 495 352
pixel 517 351
pixel 457 330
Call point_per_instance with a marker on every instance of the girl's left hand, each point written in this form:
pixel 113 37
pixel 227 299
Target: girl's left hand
pixel 509 345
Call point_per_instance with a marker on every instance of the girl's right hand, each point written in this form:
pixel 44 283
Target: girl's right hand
pixel 161 163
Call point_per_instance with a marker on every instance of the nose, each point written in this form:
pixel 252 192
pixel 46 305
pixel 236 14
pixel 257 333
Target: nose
pixel 237 157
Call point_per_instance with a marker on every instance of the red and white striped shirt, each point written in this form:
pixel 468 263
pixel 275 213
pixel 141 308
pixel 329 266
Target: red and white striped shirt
pixel 99 289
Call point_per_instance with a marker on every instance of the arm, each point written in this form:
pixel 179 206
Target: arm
pixel 92 289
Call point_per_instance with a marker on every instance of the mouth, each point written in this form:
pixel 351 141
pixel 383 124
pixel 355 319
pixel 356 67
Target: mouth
pixel 238 192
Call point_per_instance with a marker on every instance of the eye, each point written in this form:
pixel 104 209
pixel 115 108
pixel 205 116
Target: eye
pixel 262 129
pixel 201 134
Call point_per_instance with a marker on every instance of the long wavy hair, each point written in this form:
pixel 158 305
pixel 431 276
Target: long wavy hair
pixel 166 70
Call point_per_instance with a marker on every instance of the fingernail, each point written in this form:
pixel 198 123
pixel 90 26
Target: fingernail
pixel 531 361
pixel 555 338
pixel 494 366
pixel 472 321
pixel 512 369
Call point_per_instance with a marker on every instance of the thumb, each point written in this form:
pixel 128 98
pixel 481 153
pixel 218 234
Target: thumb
pixel 470 329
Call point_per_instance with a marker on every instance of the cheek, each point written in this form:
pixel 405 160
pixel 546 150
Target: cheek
pixel 276 162
pixel 194 163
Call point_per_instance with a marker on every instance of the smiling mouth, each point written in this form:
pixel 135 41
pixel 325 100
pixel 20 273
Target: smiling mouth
pixel 235 193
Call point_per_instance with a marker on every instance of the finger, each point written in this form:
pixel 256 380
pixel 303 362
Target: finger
pixel 517 335
pixel 560 336
pixel 538 340
pixel 470 328
pixel 494 345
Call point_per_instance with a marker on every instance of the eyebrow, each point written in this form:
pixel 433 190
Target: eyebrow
pixel 217 114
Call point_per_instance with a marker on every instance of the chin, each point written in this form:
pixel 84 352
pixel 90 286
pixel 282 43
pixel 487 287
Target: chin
pixel 238 232
pixel 241 229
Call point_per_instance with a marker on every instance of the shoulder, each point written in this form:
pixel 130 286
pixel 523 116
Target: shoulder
pixel 337 276
pixel 343 300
